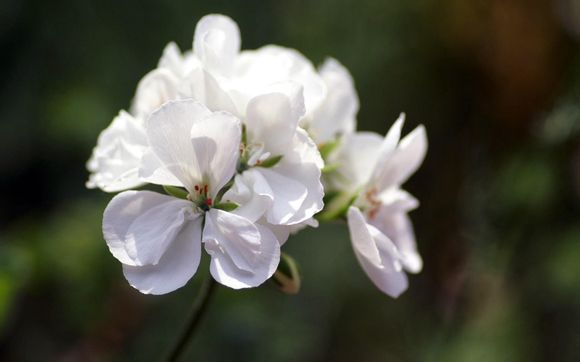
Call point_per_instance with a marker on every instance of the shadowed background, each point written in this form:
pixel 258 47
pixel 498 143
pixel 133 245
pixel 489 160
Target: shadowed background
pixel 497 85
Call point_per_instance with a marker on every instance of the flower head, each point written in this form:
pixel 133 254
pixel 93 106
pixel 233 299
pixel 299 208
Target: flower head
pixel 239 132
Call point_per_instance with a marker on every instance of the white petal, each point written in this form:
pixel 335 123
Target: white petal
pixel 271 120
pixel 355 158
pixel 179 64
pixel 157 87
pixel 217 42
pixel 294 91
pixel 153 170
pixel 243 254
pixel 252 192
pixel 206 89
pixel 232 234
pixel 387 150
pixel 308 177
pixel 377 255
pixel 171 58
pixel 216 143
pixel 115 160
pixel 337 114
pixel 169 134
pixel 393 136
pixel 304 150
pixel 139 225
pixel 404 161
pixel 177 265
pixel 282 232
pixel 397 226
pixel 288 195
pixel 302 164
pixel 398 200
pixel 293 229
pixel 258 69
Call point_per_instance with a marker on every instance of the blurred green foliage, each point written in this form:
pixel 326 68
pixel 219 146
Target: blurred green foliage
pixel 495 82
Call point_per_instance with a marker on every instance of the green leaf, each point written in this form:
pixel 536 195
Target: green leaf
pixel 287 276
pixel 270 162
pixel 176 191
pixel 226 206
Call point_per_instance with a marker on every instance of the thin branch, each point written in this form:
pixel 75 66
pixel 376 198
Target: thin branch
pixel 198 310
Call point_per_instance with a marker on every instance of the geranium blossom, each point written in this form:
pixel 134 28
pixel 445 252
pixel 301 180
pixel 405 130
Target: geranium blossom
pixel 239 131
pixel 291 189
pixel 382 235
pixel 158 237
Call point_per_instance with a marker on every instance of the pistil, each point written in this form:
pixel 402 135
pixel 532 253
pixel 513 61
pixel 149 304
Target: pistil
pixel 200 197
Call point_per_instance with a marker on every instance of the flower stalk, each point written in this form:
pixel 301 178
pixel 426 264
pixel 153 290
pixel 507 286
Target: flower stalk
pixel 198 310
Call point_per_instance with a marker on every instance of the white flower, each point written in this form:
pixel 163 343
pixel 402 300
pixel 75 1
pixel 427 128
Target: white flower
pixel 280 170
pixel 246 74
pixel 381 232
pixel 157 237
pixel 331 102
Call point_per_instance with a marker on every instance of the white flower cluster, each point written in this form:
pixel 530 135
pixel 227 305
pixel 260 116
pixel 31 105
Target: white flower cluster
pixel 235 138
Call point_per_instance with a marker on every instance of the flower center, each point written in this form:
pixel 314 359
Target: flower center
pixel 372 201
pixel 252 154
pixel 200 197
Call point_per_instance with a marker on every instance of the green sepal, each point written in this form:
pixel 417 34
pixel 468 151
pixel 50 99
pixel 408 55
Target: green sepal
pixel 270 162
pixel 330 195
pixel 226 206
pixel 331 167
pixel 287 276
pixel 244 135
pixel 176 191
pixel 337 207
pixel 326 149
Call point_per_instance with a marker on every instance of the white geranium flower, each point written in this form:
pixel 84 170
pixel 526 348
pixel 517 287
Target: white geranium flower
pixel 331 102
pixel 280 166
pixel 381 232
pixel 158 237
pixel 245 74
pixel 258 69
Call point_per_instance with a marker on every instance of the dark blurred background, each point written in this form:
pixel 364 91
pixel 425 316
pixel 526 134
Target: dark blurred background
pixel 496 83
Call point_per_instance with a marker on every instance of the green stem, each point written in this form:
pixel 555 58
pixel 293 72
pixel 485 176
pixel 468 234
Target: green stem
pixel 198 310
